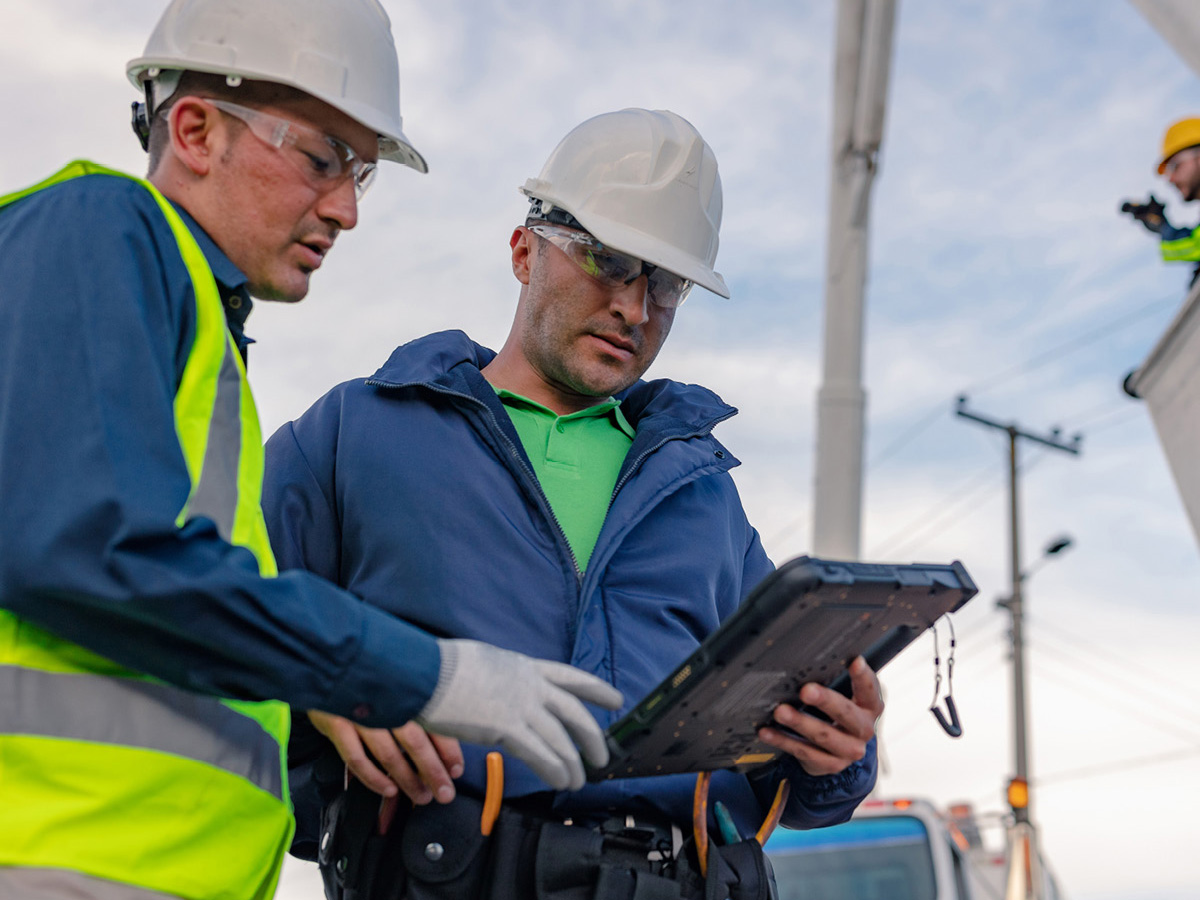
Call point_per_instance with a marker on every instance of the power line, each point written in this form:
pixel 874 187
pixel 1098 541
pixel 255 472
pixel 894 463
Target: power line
pixel 1070 637
pixel 1118 417
pixel 907 436
pixel 1023 368
pixel 972 486
pixel 1066 347
pixel 1103 673
pixel 1133 712
pixel 1098 771
pixel 1124 765
pixel 916 534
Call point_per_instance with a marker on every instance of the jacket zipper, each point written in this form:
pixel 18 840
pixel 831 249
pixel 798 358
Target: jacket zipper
pixel 513 452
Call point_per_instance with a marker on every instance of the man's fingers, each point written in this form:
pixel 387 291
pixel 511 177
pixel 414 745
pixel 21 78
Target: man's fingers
pixel 583 685
pixel 813 759
pixel 350 748
pixel 390 757
pixel 584 731
pixel 822 747
pixel 825 736
pixel 856 715
pixel 433 777
pixel 866 692
pixel 547 764
pixel 450 751
pixel 362 768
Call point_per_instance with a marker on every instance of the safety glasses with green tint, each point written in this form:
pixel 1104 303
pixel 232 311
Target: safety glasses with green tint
pixel 322 159
pixel 612 268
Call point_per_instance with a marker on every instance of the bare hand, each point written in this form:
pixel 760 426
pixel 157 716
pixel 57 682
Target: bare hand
pixel 827 748
pixel 408 758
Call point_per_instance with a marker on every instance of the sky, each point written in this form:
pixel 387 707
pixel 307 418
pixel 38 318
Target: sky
pixel 999 268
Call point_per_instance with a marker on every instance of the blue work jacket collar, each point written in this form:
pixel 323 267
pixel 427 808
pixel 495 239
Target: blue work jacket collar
pixel 451 361
pixel 231 282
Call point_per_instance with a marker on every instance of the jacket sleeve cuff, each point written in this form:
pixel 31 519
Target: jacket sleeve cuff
pixel 392 676
pixel 819 800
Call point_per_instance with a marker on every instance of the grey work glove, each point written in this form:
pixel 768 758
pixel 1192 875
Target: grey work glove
pixel 530 707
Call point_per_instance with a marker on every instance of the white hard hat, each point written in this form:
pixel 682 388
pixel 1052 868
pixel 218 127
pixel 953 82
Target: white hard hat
pixel 645 183
pixel 339 51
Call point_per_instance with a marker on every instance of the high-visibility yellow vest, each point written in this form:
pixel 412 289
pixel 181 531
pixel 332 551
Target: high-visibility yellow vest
pixel 107 775
pixel 1182 249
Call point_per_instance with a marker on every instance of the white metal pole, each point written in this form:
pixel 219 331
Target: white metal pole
pixel 861 66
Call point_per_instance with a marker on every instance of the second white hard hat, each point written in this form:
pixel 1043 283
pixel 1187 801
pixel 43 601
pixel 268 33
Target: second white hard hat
pixel 645 183
pixel 339 51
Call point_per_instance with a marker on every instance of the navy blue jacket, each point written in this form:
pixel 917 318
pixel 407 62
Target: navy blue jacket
pixel 96 323
pixel 412 490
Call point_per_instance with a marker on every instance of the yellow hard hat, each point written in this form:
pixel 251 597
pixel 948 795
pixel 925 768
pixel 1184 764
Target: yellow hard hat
pixel 1183 134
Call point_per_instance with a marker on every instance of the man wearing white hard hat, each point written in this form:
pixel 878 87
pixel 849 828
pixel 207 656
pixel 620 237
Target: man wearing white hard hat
pixel 145 642
pixel 547 499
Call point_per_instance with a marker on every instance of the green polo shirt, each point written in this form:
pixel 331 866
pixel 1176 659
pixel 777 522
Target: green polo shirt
pixel 576 459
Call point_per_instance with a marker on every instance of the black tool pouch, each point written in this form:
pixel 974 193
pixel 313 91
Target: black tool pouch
pixel 574 863
pixel 432 852
pixel 444 853
pixel 437 852
pixel 738 871
pixel 356 861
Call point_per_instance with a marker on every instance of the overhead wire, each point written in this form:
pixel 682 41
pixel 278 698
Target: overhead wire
pixel 1123 765
pixel 1134 711
pixel 1151 693
pixel 966 492
pixel 914 533
pixel 1022 368
pixel 1041 624
pixel 1055 353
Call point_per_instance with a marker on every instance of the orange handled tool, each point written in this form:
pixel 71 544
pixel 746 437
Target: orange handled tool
pixel 774 813
pixel 700 819
pixel 494 793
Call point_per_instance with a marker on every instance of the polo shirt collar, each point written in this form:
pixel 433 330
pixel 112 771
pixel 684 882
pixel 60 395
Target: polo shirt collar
pixel 611 405
pixel 231 283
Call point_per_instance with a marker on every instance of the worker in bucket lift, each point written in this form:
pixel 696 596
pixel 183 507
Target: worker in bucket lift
pixel 145 644
pixel 1180 163
pixel 547 499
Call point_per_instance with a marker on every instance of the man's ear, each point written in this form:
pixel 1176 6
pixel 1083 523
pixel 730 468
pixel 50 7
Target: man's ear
pixel 192 127
pixel 522 253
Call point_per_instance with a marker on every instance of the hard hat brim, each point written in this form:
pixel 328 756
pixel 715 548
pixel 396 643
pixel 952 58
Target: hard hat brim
pixel 394 146
pixel 636 243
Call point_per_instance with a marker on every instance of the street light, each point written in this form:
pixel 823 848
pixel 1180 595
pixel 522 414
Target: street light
pixel 1055 547
pixel 1015 606
pixel 1060 544
pixel 1024 875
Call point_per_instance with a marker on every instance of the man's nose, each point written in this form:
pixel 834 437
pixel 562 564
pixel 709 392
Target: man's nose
pixel 340 205
pixel 630 301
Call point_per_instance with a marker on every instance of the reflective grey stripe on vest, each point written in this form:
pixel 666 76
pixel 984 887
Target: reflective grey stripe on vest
pixel 20 883
pixel 216 495
pixel 143 714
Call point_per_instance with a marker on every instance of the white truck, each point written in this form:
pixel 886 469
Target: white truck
pixel 906 849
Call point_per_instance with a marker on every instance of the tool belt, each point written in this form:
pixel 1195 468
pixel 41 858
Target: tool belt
pixel 438 852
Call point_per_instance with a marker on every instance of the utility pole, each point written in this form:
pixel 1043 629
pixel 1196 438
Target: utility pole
pixel 1019 793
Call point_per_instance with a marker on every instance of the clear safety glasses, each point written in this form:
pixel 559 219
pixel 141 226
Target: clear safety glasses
pixel 612 268
pixel 323 160
pixel 1178 159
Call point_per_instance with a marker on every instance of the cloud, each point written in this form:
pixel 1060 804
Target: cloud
pixel 999 265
